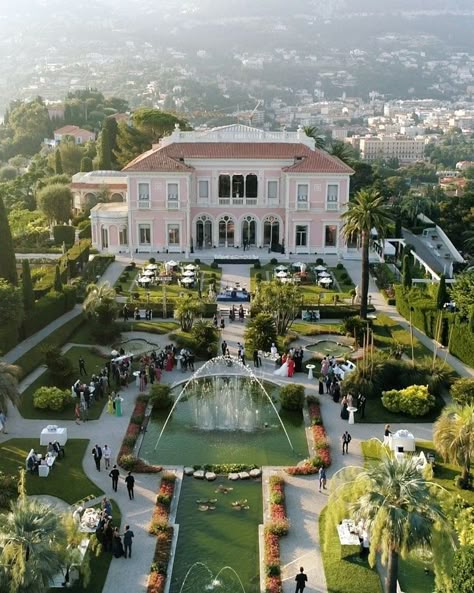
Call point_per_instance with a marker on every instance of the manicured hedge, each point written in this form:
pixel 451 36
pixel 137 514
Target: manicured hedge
pixel 157 308
pixel 64 234
pixel 78 254
pixel 48 309
pixel 424 314
pixel 461 343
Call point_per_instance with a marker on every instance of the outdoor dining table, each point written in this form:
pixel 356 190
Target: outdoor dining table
pixel 347 533
pixel 310 368
pixel 351 411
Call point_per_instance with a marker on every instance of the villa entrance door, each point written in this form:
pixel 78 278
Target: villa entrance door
pixel 204 233
pixel 249 231
pixel 226 231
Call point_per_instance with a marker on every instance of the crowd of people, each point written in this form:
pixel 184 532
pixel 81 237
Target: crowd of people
pixel 35 459
pixel 289 363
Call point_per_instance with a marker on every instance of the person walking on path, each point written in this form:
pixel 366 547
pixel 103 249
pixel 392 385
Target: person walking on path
pixel 127 541
pixel 346 439
pixel 82 366
pixel 77 413
pixel 3 422
pixel 361 401
pixel 97 454
pixel 107 456
pixel 130 481
pixel 114 474
pixel 301 580
pixel 224 347
pixel 322 478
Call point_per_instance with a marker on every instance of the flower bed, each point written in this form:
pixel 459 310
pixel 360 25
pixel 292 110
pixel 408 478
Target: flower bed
pixel 276 528
pixel 163 532
pixel 322 455
pixel 126 458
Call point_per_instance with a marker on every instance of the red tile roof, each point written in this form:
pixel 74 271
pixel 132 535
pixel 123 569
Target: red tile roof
pixel 171 158
pixel 72 131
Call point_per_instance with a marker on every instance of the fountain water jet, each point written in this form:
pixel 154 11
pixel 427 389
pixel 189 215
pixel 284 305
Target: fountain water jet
pixel 214 580
pixel 236 415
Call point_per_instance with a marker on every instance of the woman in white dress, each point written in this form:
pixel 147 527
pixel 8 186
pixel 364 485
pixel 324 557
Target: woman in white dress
pixel 274 350
pixel 283 370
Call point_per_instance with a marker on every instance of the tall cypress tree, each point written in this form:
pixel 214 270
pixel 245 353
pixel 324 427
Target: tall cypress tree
pixel 27 286
pixel 58 163
pixel 442 294
pixel 58 284
pixel 104 152
pixel 406 273
pixel 86 164
pixel 7 254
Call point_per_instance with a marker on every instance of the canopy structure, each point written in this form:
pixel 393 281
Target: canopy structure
pixel 281 268
pixel 187 280
pixel 282 274
pixel 188 273
pixel 190 267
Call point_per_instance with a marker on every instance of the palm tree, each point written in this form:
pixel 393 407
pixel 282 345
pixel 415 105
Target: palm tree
pixel 414 204
pixel 343 151
pixel 185 311
pixel 32 543
pixel 100 302
pixel 396 505
pixel 9 375
pixel 453 436
pixel 367 212
pixel 316 135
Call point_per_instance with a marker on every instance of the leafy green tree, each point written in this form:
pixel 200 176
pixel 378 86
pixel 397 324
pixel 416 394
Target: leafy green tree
pixel 206 338
pixel 27 286
pixel 186 309
pixel 282 301
pixel 58 283
pixel 343 151
pixel 71 156
pixel 462 292
pixel 406 272
pixel 415 203
pixel 453 437
pixel 86 164
pixel 55 202
pixel 110 124
pixel 100 302
pixel 463 570
pixel 104 153
pixel 155 123
pixel 363 177
pixel 8 173
pixel 32 543
pixel 7 254
pixel 441 293
pixel 366 212
pixel 58 163
pixel 396 505
pixel 11 303
pixel 260 332
pixel 9 376
pixel 63 179
pixel 462 391
pixel 30 125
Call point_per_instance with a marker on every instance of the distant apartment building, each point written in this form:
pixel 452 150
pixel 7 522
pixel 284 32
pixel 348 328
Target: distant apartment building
pixel 406 150
pixel 80 136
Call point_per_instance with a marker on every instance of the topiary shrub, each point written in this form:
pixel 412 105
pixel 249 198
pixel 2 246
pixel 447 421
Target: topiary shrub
pixel 339 266
pixel 415 400
pixel 214 265
pixel 152 260
pixel 258 277
pixel 274 261
pixel 50 398
pixel 197 261
pixel 292 397
pixel 320 261
pixel 257 265
pixel 462 391
pixel 160 396
pixel 59 366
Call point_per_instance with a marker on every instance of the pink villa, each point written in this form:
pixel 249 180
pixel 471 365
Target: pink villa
pixel 223 189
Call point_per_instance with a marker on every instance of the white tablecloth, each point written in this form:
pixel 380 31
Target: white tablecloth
pixel 346 538
pixel 49 436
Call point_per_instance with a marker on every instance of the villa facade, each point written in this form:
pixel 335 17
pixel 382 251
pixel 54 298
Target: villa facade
pixel 225 188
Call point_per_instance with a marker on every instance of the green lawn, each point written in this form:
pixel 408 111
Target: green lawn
pixel 94 363
pixel 345 285
pixel 305 328
pixel 34 357
pixel 99 565
pixel 66 480
pixel 152 327
pixel 347 574
pixel 387 331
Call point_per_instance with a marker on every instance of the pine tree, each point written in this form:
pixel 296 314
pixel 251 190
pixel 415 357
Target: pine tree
pixel 58 284
pixel 58 163
pixel 7 254
pixel 86 164
pixel 442 294
pixel 110 124
pixel 104 153
pixel 27 286
pixel 406 273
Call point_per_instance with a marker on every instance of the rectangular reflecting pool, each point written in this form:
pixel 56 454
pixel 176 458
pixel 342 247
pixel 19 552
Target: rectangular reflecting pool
pixel 217 536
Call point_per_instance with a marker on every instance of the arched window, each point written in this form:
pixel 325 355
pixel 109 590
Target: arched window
pixel 204 232
pixel 226 231
pixel 249 231
pixel 271 232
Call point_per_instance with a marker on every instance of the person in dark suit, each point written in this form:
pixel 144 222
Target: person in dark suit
pixel 114 474
pixel 301 580
pixel 97 454
pixel 130 481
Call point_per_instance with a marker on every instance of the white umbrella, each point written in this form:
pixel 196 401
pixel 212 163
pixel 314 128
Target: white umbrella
pixel 282 274
pixel 187 280
pixel 326 281
pixel 321 268
pixel 144 280
pixel 114 353
pixel 188 273
pixel 190 267
pixel 172 263
pixel 148 273
pixel 152 267
pixel 303 267
pixel 324 275
pixel 281 268
pixel 298 264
